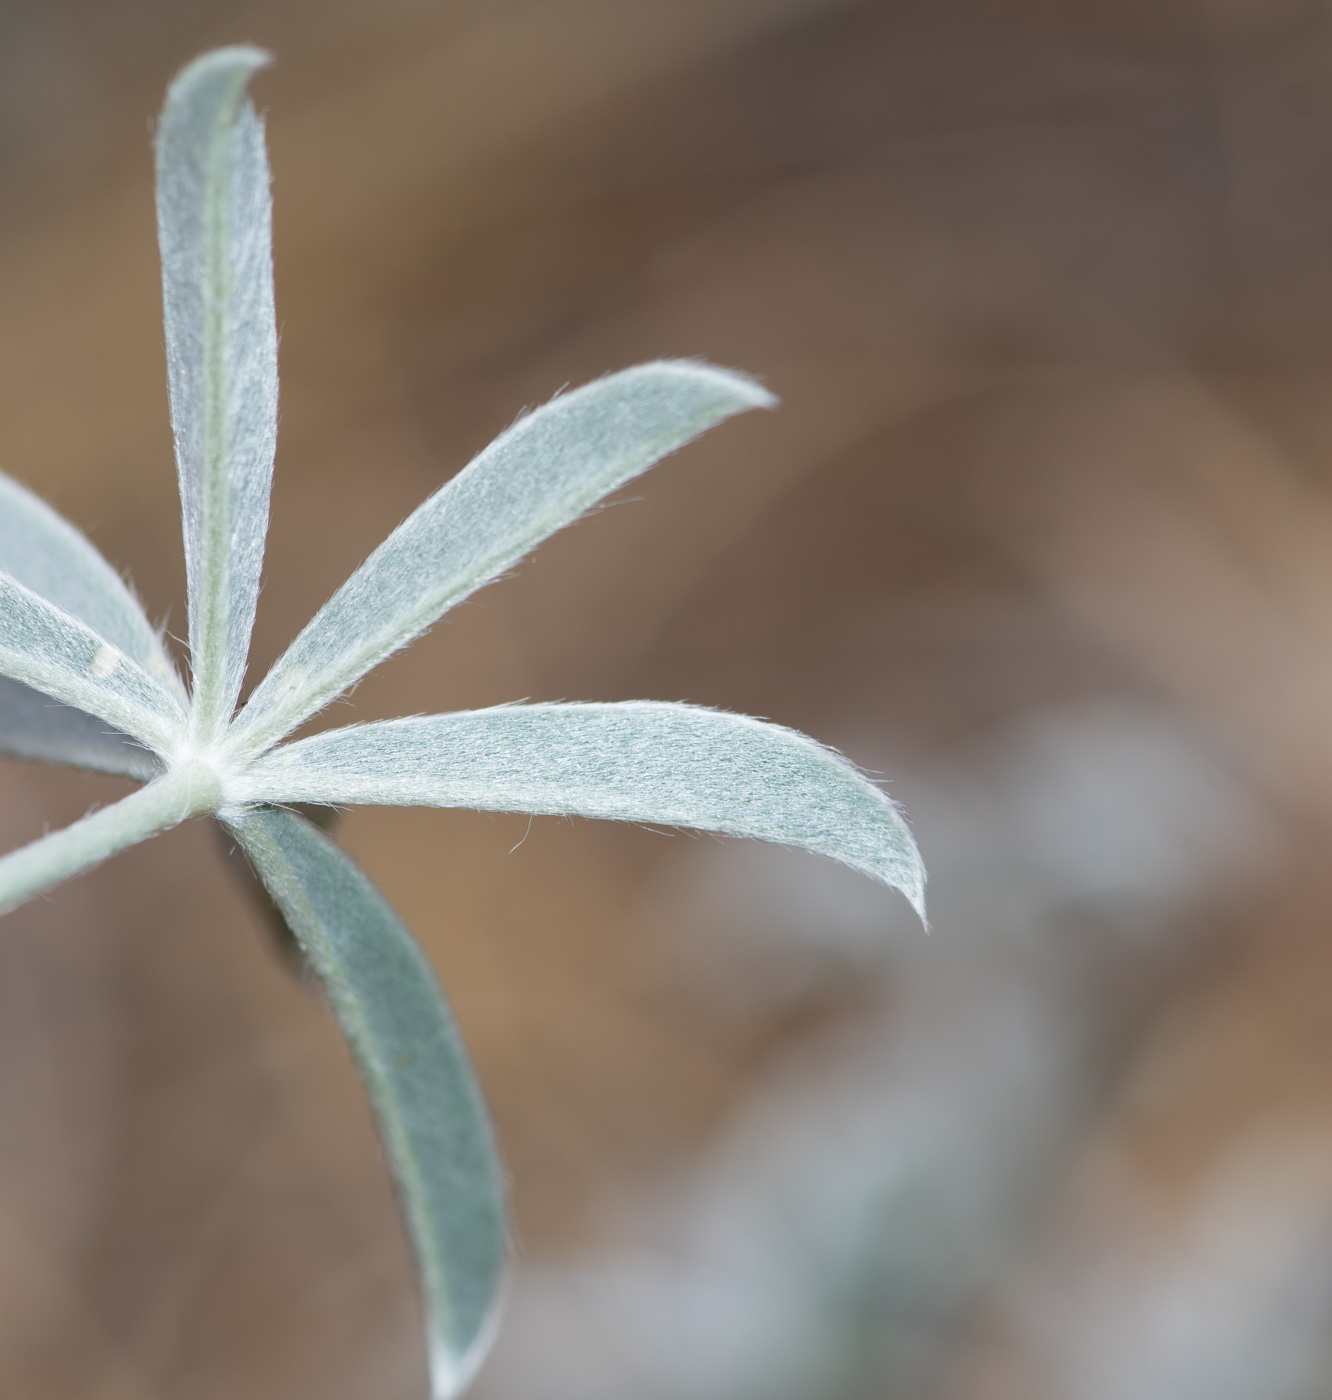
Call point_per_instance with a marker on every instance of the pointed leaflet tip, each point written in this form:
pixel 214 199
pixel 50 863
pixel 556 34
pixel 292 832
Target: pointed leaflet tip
pixel 232 63
pixel 541 475
pixel 214 225
pixel 432 1119
pixel 638 761
pixel 743 388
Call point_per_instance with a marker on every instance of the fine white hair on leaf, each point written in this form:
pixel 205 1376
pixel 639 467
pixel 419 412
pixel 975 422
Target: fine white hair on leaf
pixel 535 478
pixel 35 726
pixel 84 679
pixel 44 647
pixel 214 225
pixel 431 1115
pixel 643 761
pixel 45 553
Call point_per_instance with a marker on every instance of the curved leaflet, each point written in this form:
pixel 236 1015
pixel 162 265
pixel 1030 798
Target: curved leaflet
pixel 430 1112
pixel 534 479
pixel 641 761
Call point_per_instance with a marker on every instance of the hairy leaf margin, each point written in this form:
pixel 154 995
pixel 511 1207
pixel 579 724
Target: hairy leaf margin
pixel 640 760
pixel 431 1116
pixel 543 473
pixel 214 223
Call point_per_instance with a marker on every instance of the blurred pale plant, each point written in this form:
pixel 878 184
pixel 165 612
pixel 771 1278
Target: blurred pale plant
pixel 77 654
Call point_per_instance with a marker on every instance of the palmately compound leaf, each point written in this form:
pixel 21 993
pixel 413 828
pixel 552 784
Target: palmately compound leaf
pixel 214 225
pixel 46 554
pixel 430 1112
pixel 77 655
pixel 641 761
pixel 542 474
pixel 45 648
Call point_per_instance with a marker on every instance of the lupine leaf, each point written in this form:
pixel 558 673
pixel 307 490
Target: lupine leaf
pixel 45 553
pixel 431 1116
pixel 44 647
pixel 643 761
pixel 537 477
pixel 214 224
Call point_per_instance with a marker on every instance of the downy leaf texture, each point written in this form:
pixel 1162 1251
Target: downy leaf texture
pixel 84 679
pixel 41 551
pixel 34 726
pixel 214 226
pixel 46 648
pixel 549 468
pixel 640 761
pixel 431 1115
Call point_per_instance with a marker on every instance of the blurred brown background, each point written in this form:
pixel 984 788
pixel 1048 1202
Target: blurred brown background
pixel 1042 532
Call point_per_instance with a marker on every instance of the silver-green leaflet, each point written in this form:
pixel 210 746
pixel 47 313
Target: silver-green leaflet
pixel 85 679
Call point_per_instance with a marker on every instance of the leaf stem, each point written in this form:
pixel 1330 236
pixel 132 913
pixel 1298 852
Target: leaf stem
pixel 188 790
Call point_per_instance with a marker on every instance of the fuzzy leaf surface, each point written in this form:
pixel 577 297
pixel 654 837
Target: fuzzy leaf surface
pixel 641 761
pixel 35 726
pixel 214 225
pixel 540 475
pixel 46 554
pixel 45 648
pixel 431 1116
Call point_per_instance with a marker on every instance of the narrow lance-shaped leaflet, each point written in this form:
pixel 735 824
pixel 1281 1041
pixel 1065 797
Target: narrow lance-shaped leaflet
pixel 643 761
pixel 534 479
pixel 425 1097
pixel 47 555
pixel 214 225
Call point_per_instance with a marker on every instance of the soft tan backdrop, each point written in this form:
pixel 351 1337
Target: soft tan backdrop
pixel 1042 532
